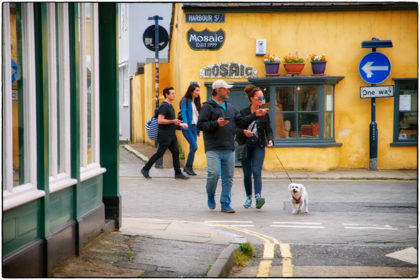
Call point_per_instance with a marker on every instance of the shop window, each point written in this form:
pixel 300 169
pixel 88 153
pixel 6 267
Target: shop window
pixel 406 112
pixel 301 109
pixel 19 172
pixel 59 96
pixel 88 71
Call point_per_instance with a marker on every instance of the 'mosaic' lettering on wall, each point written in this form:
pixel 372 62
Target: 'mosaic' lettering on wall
pixel 228 70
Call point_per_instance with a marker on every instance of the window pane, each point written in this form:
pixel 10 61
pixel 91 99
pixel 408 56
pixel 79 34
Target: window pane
pixel 17 94
pixel 328 124
pixel 328 95
pixel 89 49
pixel 408 126
pixel 308 98
pixel 60 89
pixel 285 99
pixel 308 125
pixel 285 125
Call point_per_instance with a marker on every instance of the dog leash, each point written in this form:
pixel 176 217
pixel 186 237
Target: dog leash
pixel 283 166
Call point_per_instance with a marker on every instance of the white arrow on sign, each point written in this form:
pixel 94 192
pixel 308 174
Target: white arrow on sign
pixel 368 68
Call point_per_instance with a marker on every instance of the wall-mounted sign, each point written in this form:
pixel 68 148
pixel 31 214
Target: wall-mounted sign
pixel 260 47
pixel 205 17
pixel 228 70
pixel 149 38
pixel 205 40
pixel 379 91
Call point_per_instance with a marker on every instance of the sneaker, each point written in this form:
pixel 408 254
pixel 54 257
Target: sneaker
pixel 227 209
pixel 181 176
pixel 210 202
pixel 145 173
pixel 189 171
pixel 248 202
pixel 259 201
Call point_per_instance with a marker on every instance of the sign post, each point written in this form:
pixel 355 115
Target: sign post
pixel 156 18
pixel 374 68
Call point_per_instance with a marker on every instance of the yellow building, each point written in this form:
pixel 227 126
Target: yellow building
pixel 328 119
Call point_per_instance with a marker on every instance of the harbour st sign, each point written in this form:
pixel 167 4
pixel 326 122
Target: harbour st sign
pixel 374 68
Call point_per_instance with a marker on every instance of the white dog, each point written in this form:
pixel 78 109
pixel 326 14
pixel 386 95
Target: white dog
pixel 299 197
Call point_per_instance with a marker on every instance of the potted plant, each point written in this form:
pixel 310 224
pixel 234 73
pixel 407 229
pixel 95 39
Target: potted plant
pixel 293 64
pixel 318 63
pixel 272 63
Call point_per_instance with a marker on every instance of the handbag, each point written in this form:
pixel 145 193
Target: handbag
pixel 152 127
pixel 242 152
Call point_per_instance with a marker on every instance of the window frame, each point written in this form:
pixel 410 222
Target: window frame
pixel 14 196
pixel 61 77
pixel 269 85
pixel 89 170
pixel 396 141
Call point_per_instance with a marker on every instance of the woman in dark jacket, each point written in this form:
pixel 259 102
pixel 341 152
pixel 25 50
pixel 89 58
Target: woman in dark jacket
pixel 256 136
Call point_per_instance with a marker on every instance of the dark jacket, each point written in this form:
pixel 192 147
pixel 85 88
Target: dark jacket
pixel 264 130
pixel 220 138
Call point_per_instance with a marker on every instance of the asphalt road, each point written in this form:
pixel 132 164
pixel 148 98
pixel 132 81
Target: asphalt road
pixel 351 223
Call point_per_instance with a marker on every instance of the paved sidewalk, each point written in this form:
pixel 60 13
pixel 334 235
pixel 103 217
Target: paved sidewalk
pixel 144 152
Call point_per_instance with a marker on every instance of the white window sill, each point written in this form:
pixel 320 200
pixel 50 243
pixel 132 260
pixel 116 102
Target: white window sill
pixel 60 182
pixel 91 171
pixel 20 195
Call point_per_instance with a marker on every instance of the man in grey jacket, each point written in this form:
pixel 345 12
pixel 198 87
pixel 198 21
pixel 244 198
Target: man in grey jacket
pixel 218 120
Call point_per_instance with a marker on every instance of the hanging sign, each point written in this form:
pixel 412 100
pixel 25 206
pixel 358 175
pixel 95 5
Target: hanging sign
pixel 205 18
pixel 228 70
pixel 205 40
pixel 379 91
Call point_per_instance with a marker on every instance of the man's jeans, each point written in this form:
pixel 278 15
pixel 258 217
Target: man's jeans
pixel 220 163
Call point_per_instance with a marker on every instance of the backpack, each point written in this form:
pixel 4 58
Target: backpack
pixel 152 127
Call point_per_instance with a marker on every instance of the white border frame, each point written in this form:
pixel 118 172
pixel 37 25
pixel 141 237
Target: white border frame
pixel 93 169
pixel 15 196
pixel 59 180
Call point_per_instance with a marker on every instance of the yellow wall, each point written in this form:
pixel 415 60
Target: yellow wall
pixel 338 35
pixel 143 98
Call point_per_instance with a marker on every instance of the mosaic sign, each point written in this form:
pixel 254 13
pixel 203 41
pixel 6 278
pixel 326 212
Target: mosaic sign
pixel 205 40
pixel 228 70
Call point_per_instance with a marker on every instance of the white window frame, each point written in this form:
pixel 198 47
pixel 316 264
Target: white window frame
pixel 19 195
pixel 93 169
pixel 59 180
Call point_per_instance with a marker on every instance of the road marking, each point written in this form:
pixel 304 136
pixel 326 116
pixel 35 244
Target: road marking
pixel 268 255
pixel 234 222
pixel 407 255
pixel 295 226
pixel 264 268
pixel 379 228
pixel 297 223
pixel 412 227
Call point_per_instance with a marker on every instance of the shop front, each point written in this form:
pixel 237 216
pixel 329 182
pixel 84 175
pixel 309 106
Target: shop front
pixel 320 121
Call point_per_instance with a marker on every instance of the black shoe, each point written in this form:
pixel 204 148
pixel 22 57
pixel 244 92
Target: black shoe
pixel 181 176
pixel 145 174
pixel 189 171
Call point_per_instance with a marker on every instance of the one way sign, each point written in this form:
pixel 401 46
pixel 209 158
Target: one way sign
pixel 374 68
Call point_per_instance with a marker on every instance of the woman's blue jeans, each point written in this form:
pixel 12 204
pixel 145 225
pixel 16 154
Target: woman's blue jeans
pixel 252 166
pixel 191 135
pixel 220 163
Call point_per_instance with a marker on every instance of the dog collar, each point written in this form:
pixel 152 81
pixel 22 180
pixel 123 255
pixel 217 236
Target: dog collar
pixel 298 199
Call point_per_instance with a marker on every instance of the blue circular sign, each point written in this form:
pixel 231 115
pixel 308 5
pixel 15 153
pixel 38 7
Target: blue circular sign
pixel 374 68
